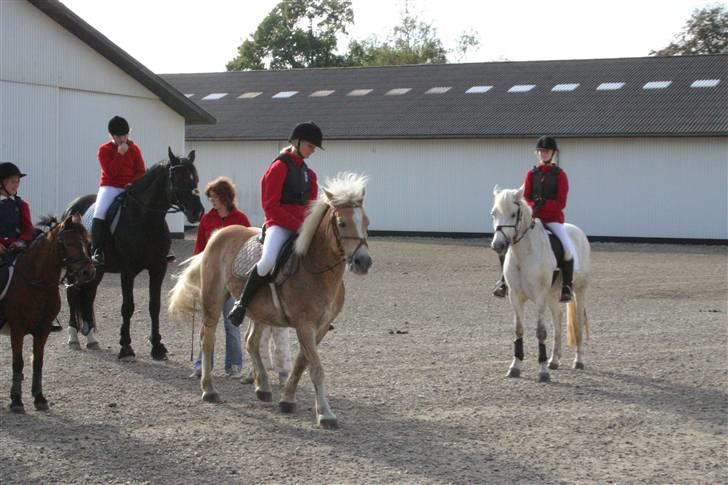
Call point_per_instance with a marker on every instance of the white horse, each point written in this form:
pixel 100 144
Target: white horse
pixel 529 269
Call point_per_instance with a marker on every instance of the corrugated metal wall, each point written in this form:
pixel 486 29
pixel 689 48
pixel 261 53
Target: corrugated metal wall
pixel 56 96
pixel 670 188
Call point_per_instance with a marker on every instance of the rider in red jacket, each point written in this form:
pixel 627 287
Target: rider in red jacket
pixel 287 187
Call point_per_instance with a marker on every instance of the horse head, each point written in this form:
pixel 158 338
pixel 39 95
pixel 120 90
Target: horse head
pixel 73 250
pixel 345 195
pixel 183 191
pixel 510 214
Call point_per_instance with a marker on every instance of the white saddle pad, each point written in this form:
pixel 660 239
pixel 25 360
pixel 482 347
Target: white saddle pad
pixel 88 217
pixel 248 256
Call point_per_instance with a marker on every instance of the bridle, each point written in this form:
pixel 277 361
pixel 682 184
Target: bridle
pixel 515 227
pixel 340 238
pixel 172 192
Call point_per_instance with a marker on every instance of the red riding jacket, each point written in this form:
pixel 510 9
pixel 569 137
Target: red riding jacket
pixel 212 221
pixel 120 170
pixel 290 216
pixel 552 210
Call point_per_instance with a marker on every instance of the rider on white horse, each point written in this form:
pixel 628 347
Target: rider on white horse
pixel 545 189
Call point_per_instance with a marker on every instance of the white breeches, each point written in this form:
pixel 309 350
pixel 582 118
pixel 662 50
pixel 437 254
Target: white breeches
pixel 275 237
pixel 569 249
pixel 105 197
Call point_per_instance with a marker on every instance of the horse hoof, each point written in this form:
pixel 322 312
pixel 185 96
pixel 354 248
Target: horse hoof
pixel 514 372
pixel 41 404
pixel 211 397
pixel 17 408
pixel 287 407
pixel 579 365
pixel 159 352
pixel 553 365
pixel 93 346
pixel 247 380
pixel 74 345
pixel 86 329
pixel 264 396
pixel 328 423
pixel 127 354
pixel 544 377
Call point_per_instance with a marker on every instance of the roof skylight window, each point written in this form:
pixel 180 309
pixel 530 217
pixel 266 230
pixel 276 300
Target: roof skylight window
pixel 321 93
pixel 610 86
pixel 250 95
pixel 285 94
pixel 438 90
pixel 213 96
pixel 705 83
pixel 397 91
pixel 657 85
pixel 479 89
pixel 359 92
pixel 521 88
pixel 565 87
pixel 189 95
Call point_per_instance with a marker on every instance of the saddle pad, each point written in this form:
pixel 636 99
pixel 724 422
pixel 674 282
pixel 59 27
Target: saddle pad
pixel 88 216
pixel 250 254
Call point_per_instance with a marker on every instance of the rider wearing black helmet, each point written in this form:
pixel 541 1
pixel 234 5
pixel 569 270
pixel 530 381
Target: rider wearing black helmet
pixel 546 188
pixel 287 187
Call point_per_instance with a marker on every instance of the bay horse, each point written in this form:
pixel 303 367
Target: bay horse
pixel 529 273
pixel 333 233
pixel 140 242
pixel 33 299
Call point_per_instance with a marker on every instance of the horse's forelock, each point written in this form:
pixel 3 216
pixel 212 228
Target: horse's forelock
pixel 346 188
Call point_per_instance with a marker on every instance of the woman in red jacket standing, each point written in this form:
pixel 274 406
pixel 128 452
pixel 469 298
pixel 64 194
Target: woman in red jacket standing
pixel 121 164
pixel 545 189
pixel 221 194
pixel 287 187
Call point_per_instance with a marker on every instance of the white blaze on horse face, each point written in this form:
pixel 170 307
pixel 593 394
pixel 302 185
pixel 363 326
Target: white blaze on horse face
pixel 358 217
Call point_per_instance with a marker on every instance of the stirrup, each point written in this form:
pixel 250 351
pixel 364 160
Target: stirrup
pixel 237 314
pixel 566 295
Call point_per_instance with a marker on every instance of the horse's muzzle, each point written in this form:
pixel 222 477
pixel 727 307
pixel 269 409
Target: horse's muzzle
pixel 360 263
pixel 82 274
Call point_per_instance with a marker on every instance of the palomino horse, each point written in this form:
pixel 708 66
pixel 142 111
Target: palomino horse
pixel 529 268
pixel 334 232
pixel 33 299
pixel 141 242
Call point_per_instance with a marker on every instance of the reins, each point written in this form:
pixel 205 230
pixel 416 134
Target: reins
pixel 339 238
pixel 515 227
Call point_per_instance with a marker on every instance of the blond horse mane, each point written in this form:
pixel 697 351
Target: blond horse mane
pixel 345 188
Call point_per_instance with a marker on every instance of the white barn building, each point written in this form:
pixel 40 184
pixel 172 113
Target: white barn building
pixel 644 140
pixel 60 83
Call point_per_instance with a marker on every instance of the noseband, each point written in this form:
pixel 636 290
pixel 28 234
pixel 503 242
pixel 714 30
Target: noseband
pixel 340 238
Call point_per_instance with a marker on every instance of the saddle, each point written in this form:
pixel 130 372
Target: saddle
pixel 251 252
pixel 558 250
pixel 112 214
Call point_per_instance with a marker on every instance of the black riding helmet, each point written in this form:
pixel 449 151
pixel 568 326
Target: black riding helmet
pixel 308 131
pixel 118 126
pixel 547 143
pixel 9 169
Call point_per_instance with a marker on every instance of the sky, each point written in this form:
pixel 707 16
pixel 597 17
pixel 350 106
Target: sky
pixel 175 36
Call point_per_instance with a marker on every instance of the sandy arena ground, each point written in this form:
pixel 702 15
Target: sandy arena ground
pixel 415 371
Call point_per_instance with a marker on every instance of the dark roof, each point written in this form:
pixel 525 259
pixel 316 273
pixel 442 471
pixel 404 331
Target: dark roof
pixel 100 43
pixel 678 110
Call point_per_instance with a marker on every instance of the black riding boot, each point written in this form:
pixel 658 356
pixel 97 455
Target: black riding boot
pixel 567 275
pixel 501 289
pixel 255 281
pixel 98 238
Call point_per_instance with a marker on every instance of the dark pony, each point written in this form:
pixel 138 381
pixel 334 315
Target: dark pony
pixel 140 242
pixel 33 299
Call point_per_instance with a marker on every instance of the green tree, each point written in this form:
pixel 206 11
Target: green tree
pixel 296 33
pixel 705 33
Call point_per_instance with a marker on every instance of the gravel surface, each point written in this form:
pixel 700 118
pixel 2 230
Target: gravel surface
pixel 415 371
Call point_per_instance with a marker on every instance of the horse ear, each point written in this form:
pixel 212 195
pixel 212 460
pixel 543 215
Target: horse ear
pixel 519 192
pixel 76 218
pixel 496 189
pixel 191 157
pixel 173 160
pixel 68 221
pixel 329 195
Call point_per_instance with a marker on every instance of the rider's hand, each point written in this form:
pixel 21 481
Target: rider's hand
pixel 18 245
pixel 123 148
pixel 2 248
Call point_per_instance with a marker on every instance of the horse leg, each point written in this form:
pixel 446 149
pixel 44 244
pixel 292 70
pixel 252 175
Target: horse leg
pixel 72 297
pixel 207 341
pixel 543 373
pixel 556 317
pixel 518 307
pixel 156 277
pixel 287 403
pixel 279 349
pixel 127 309
pixel 39 342
pixel 87 315
pixel 576 311
pixel 308 339
pixel 252 345
pixel 16 342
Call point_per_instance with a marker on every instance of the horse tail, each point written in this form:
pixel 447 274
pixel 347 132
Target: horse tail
pixel 576 321
pixel 185 297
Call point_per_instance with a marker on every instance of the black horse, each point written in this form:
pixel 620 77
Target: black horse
pixel 141 241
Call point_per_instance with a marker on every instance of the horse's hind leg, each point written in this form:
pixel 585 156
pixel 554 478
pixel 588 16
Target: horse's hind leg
pixel 515 369
pixel 127 310
pixel 207 336
pixel 578 325
pixel 39 342
pixel 252 345
pixel 556 317
pixel 16 391
pixel 72 297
